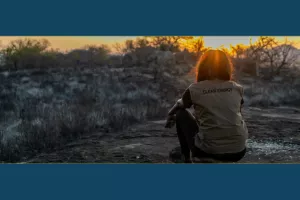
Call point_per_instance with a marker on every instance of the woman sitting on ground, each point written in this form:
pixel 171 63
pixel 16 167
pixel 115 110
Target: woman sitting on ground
pixel 217 129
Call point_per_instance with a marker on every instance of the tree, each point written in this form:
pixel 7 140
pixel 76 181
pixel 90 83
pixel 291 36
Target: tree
pixel 24 52
pixel 98 54
pixel 168 43
pixel 118 48
pixel 196 46
pixel 129 46
pixel 141 42
pixel 224 49
pixel 273 54
pixel 51 58
pixel 163 43
pixel 239 51
pixel 90 55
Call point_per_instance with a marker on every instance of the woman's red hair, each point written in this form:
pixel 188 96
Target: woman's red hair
pixel 214 64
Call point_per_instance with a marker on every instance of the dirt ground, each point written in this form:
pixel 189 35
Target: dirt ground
pixel 274 138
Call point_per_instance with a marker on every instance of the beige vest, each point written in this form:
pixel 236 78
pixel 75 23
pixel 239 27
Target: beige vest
pixel 217 107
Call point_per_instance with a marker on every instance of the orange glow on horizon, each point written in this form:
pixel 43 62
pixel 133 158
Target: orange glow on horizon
pixel 71 42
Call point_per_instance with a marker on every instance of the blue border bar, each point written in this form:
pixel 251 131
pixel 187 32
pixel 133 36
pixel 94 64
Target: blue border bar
pixel 149 181
pixel 133 17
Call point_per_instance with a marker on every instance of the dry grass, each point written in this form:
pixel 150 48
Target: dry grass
pixel 57 108
pixel 265 94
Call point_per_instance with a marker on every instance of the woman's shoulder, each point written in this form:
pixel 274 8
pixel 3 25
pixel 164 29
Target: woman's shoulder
pixel 198 85
pixel 236 84
pixel 238 87
pixel 215 84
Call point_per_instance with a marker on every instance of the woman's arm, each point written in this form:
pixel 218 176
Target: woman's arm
pixel 184 102
pixel 178 105
pixel 242 103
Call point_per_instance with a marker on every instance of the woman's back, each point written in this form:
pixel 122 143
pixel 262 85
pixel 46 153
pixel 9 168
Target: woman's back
pixel 217 105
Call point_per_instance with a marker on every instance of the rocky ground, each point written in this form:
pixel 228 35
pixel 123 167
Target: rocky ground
pixel 274 138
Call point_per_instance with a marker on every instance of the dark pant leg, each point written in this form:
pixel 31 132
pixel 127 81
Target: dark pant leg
pixel 186 130
pixel 231 157
pixel 226 157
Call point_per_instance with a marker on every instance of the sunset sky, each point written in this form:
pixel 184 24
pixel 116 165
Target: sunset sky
pixel 71 42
